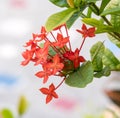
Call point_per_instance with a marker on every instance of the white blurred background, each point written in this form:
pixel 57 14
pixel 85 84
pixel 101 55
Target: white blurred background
pixel 18 20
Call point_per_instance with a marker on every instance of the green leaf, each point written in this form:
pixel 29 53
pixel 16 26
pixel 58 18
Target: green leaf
pixel 115 20
pixel 89 13
pixel 72 19
pixel 114 40
pixel 77 3
pixel 115 10
pixel 93 9
pixel 6 113
pixel 103 5
pixel 113 7
pixel 105 72
pixel 60 3
pixel 22 106
pixel 81 77
pixel 92 21
pixel 96 54
pixel 110 60
pixel 59 18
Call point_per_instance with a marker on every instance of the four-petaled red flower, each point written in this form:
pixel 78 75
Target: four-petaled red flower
pixel 56 65
pixel 90 32
pixel 27 55
pixel 49 92
pixel 61 41
pixel 44 74
pixel 42 54
pixel 74 56
pixel 43 33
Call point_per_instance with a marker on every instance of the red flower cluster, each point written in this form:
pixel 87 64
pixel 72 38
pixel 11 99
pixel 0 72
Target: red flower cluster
pixel 53 51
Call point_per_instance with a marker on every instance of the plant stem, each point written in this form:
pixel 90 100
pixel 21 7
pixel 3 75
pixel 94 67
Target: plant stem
pixel 82 44
pixel 60 83
pixel 114 34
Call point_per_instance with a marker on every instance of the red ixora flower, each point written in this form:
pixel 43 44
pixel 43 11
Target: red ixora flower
pixel 90 32
pixel 56 65
pixel 44 74
pixel 50 92
pixel 61 41
pixel 27 55
pixel 55 55
pixel 74 56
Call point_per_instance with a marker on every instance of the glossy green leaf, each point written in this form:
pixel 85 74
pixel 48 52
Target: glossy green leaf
pixel 104 72
pixel 103 5
pixel 59 18
pixel 93 9
pixel 96 54
pixel 72 19
pixel 6 113
pixel 22 106
pixel 115 10
pixel 60 3
pixel 81 77
pixel 92 21
pixel 113 7
pixel 89 13
pixel 115 21
pixel 110 60
pixel 114 40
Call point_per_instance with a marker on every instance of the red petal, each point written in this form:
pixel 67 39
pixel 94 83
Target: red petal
pixel 81 32
pixel 40 74
pixel 91 32
pixel 43 30
pixel 45 79
pixel 59 37
pixel 84 27
pixel 48 98
pixel 44 90
pixel 54 94
pixel 51 87
pixel 24 63
pixel 82 59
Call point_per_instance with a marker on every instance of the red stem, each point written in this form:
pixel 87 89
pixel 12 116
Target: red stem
pixel 60 83
pixel 82 44
pixel 68 36
pixel 53 36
